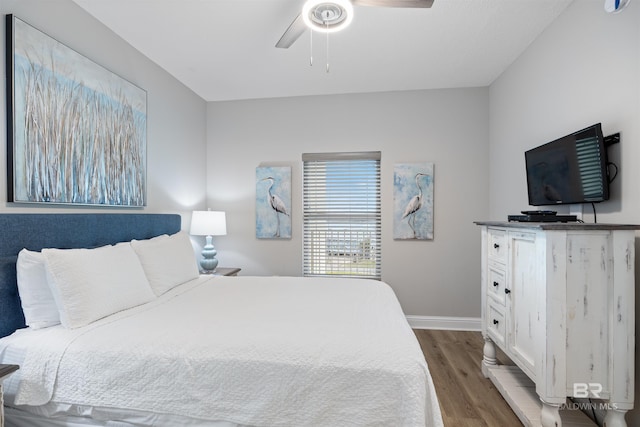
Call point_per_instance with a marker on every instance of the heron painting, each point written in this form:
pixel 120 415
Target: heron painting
pixel 413 201
pixel 273 202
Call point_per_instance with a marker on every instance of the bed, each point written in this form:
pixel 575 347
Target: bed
pixel 208 351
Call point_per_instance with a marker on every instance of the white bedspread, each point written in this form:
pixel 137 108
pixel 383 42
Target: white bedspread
pixel 267 351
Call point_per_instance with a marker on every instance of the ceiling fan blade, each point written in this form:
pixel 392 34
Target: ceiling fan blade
pixel 292 33
pixel 393 3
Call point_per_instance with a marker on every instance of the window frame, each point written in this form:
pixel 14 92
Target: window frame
pixel 342 232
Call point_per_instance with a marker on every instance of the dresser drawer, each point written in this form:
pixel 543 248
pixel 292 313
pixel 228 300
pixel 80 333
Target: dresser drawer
pixel 496 327
pixel 497 241
pixel 496 282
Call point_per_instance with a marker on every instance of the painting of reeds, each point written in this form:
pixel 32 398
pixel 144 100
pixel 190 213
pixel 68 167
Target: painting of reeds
pixel 77 130
pixel 413 201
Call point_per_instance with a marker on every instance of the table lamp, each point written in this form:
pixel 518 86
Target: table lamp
pixel 208 223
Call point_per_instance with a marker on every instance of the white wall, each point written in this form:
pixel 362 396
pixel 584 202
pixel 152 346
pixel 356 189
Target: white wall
pixel 585 68
pixel 176 117
pixel 447 127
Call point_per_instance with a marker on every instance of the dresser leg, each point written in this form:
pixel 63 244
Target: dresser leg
pixel 550 415
pixel 615 418
pixel 488 356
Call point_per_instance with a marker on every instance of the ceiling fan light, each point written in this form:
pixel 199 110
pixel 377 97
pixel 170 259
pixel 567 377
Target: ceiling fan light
pixel 327 16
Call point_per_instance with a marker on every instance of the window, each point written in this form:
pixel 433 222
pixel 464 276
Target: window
pixel 341 214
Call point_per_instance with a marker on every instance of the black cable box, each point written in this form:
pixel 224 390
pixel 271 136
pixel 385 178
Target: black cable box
pixel 542 218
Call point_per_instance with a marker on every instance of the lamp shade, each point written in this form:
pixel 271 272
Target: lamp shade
pixel 208 223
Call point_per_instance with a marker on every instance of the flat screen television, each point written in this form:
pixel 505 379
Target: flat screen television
pixel 569 170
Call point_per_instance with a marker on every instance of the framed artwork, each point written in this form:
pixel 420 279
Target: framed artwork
pixel 413 201
pixel 76 131
pixel 273 202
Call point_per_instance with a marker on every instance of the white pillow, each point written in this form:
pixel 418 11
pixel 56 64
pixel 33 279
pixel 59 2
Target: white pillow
pixel 38 305
pixel 89 284
pixel 168 261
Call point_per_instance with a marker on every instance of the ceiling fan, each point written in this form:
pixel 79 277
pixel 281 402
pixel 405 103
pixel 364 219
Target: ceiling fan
pixel 333 15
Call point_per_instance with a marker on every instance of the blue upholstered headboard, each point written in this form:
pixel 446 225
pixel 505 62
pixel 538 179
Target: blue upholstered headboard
pixel 37 231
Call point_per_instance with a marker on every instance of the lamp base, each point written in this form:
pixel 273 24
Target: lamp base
pixel 209 262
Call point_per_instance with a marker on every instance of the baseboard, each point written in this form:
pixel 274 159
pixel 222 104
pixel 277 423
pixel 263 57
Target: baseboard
pixel 449 323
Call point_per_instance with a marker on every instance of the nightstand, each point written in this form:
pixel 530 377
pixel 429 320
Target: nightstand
pixel 226 271
pixel 5 371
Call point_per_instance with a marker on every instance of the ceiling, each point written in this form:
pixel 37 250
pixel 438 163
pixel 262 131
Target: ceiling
pixel 225 49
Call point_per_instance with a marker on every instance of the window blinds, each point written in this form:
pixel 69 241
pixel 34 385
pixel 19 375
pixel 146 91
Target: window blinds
pixel 341 214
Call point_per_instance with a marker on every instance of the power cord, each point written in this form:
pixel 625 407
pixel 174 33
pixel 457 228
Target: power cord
pixel 615 172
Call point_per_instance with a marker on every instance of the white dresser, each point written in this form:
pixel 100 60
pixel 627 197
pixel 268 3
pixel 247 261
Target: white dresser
pixel 558 300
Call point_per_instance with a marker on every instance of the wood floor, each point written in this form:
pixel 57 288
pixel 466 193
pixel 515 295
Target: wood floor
pixel 467 399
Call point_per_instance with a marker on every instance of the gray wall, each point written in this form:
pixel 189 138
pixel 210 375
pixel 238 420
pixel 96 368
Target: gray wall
pixel 446 127
pixel 176 117
pixel 585 68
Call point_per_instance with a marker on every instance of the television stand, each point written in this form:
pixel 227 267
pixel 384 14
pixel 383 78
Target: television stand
pixel 558 300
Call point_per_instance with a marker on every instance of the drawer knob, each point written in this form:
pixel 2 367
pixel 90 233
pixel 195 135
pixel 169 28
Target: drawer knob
pixel 507 291
pixel 496 246
pixel 495 321
pixel 496 284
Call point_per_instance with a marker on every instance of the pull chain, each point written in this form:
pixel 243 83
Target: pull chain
pixel 327 24
pixel 310 47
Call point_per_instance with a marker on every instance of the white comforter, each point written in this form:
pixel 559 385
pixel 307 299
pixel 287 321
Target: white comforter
pixel 278 351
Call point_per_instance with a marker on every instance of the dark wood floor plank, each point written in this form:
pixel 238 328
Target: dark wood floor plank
pixel 450 391
pixel 469 371
pixel 466 397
